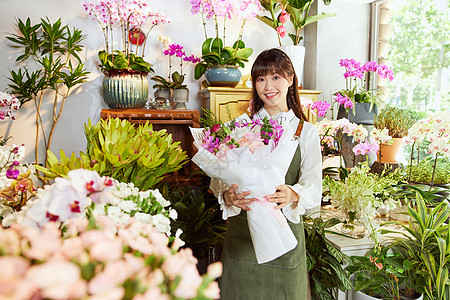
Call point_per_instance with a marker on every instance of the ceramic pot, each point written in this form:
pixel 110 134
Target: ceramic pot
pixel 223 75
pixel 390 153
pixel 363 114
pixel 180 97
pixel 297 55
pixel 125 88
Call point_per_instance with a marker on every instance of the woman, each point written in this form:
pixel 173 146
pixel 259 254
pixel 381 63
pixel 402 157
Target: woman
pixel 275 95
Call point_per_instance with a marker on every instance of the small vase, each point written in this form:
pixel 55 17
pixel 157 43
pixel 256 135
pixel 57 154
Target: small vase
pixel 352 227
pixel 180 97
pixel 163 98
pixel 125 89
pixel 223 75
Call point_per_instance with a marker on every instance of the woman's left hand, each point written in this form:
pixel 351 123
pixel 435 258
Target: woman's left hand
pixel 283 196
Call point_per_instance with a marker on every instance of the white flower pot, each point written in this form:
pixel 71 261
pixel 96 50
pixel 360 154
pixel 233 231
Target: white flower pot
pixel 297 56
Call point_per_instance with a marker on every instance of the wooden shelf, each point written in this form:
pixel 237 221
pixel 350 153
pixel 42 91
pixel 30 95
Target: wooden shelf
pixel 175 121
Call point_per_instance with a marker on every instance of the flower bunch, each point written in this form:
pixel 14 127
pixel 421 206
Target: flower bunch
pixel 331 133
pixel 99 259
pixel 17 180
pixel 214 51
pixel 8 105
pixel 175 51
pixel 149 207
pixel 128 17
pixel 317 108
pixel 84 192
pixel 357 81
pixel 362 193
pixel 378 138
pixel 220 137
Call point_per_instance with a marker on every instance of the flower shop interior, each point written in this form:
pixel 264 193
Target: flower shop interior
pixel 105 104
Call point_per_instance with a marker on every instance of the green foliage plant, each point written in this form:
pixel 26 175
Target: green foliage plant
pixel 396 119
pixel 326 273
pixel 422 171
pixel 55 49
pixel 425 244
pixel 118 149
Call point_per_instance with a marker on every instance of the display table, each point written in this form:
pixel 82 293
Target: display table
pixel 175 121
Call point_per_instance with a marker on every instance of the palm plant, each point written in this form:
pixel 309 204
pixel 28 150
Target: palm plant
pixel 425 243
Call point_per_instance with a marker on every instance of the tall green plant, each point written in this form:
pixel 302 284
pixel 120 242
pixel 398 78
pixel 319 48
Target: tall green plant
pixel 118 149
pixel 426 245
pixel 326 273
pixel 55 49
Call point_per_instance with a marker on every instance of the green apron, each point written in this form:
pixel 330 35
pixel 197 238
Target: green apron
pixel 283 278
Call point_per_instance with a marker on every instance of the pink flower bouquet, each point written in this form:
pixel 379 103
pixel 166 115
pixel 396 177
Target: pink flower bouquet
pixel 256 155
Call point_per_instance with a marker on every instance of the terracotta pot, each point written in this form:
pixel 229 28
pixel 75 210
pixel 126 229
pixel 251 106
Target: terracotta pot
pixel 390 153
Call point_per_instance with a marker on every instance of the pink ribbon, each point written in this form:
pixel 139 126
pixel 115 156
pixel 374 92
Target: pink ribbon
pixel 276 213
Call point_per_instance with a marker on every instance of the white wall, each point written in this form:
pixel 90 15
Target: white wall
pixel 344 36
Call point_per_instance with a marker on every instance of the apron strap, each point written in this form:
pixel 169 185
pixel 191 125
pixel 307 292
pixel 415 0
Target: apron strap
pixel 298 132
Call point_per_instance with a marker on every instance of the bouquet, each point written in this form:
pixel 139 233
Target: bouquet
pixel 256 155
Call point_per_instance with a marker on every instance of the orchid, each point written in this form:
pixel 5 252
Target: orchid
pixel 84 192
pixel 317 108
pixel 214 51
pixel 99 259
pixel 357 79
pixel 8 105
pixel 435 129
pixel 17 180
pixel 126 16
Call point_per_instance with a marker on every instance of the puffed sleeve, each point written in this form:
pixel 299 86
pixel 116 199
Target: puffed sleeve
pixel 218 187
pixel 309 186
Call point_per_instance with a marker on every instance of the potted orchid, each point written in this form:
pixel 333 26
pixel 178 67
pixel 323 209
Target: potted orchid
pixel 122 23
pixel 357 94
pixel 218 59
pixel 174 81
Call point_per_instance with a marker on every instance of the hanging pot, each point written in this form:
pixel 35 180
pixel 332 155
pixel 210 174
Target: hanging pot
pixel 125 88
pixel 297 55
pixel 390 153
pixel 223 75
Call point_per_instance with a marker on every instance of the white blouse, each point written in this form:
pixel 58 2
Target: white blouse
pixel 309 185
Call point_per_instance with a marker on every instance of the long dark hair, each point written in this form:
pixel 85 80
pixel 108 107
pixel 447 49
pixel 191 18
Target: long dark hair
pixel 276 61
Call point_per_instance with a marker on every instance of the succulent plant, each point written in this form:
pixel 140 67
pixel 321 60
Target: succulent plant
pixel 118 149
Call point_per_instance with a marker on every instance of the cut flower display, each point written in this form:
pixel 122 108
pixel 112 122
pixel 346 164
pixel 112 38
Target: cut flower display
pixel 84 192
pixel 255 154
pixel 99 259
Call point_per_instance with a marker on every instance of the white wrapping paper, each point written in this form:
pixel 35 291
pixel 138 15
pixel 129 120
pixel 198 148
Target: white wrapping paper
pixel 258 173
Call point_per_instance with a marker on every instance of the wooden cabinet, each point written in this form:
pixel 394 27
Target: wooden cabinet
pixel 175 121
pixel 218 99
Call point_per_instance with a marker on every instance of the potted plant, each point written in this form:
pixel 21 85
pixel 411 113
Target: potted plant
pixel 396 121
pixel 298 13
pixel 357 101
pixel 174 81
pixel 124 67
pixel 220 63
pixel 424 245
pixel 55 50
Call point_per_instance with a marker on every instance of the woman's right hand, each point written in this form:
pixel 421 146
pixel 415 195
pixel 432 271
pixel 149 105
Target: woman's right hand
pixel 231 198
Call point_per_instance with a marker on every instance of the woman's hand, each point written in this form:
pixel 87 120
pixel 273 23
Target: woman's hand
pixel 231 198
pixel 283 196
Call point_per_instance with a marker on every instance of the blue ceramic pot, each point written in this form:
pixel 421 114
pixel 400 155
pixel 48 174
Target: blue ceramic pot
pixel 223 75
pixel 125 89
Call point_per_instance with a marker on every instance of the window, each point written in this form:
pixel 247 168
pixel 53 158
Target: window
pixel 412 37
